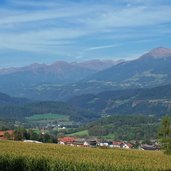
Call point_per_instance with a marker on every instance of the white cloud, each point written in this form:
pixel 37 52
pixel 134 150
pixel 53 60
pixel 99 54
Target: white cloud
pixel 130 17
pixel 101 47
pixel 59 26
pixel 27 16
pixel 41 41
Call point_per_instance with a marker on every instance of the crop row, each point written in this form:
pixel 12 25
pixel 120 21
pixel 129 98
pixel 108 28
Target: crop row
pixel 19 156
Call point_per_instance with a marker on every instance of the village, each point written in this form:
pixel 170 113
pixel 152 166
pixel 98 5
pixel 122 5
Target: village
pixel 93 143
pixel 89 142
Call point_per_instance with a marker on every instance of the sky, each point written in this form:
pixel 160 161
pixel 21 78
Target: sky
pixel 44 31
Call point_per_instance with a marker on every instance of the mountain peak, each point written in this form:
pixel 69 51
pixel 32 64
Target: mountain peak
pixel 159 52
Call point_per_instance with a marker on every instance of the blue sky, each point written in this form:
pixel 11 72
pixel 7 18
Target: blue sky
pixel 45 31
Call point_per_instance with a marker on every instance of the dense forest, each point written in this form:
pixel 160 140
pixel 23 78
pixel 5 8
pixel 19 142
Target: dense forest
pixel 130 127
pixel 156 101
pixel 19 112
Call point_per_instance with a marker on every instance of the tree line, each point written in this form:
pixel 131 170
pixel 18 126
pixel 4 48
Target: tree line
pixel 165 133
pixel 21 134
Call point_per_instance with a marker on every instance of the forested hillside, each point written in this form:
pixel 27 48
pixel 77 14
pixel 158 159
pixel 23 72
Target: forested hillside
pixel 155 101
pixel 5 99
pixel 19 112
pixel 121 127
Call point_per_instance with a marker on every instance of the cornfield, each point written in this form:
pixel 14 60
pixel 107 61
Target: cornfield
pixel 19 156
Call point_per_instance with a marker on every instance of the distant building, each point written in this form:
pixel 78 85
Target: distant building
pixel 3 134
pixel 103 144
pixel 116 144
pixel 66 140
pixel 79 142
pixel 126 145
pixel 119 144
pixel 149 147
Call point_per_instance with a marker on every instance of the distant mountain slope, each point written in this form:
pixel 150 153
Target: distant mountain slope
pixel 151 69
pixel 16 81
pixel 7 100
pixel 20 111
pixel 155 101
pixel 61 80
pixel 26 77
pixel 97 64
pixel 19 108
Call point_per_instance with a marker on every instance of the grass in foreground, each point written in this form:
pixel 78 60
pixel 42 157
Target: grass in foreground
pixel 19 156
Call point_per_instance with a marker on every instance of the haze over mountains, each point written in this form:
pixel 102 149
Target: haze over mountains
pixel 15 81
pixel 90 89
pixel 151 69
pixel 8 100
pixel 60 66
pixel 63 80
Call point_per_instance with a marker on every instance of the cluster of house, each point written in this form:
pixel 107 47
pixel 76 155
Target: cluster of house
pixel 83 142
pixel 77 142
pixel 93 143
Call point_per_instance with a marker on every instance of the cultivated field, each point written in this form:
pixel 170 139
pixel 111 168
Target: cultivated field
pixel 19 156
pixel 48 116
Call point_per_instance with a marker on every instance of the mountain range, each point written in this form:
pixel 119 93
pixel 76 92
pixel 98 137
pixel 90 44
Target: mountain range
pixel 15 81
pixel 90 89
pixel 149 70
pixel 63 80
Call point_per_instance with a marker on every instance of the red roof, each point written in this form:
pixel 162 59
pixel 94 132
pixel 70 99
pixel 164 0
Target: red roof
pixel 129 145
pixel 3 132
pixel 67 139
pixel 117 143
pixel 8 131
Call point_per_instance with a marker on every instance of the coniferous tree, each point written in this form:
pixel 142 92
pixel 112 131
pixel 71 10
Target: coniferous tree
pixel 165 133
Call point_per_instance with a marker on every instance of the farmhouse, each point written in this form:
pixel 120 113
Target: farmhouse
pixel 126 145
pixel 5 134
pixel 119 144
pixel 92 143
pixel 103 144
pixel 66 141
pixel 116 144
pixel 149 147
pixel 79 142
pixel 85 142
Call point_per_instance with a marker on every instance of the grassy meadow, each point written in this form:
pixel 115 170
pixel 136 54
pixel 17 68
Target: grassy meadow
pixel 80 133
pixel 44 119
pixel 19 156
pixel 48 116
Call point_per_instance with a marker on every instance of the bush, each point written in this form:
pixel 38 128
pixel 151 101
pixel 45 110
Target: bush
pixel 168 148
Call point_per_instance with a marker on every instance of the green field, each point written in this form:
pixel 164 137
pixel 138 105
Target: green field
pixel 48 116
pixel 80 133
pixel 19 156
